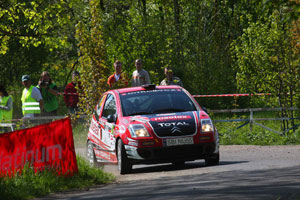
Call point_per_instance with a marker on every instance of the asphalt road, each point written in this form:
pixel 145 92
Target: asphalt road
pixel 245 172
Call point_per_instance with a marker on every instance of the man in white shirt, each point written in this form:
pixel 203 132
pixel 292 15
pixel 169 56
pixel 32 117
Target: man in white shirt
pixel 139 76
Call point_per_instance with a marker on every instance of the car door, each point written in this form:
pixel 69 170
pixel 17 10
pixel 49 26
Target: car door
pixel 94 130
pixel 107 123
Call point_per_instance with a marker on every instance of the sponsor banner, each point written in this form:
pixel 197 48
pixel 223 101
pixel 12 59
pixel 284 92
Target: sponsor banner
pixel 43 146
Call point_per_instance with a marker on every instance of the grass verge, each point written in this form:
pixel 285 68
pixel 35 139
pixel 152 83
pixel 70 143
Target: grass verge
pixel 29 185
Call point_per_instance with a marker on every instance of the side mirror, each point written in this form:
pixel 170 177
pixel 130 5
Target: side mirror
pixel 96 115
pixel 111 118
pixel 205 109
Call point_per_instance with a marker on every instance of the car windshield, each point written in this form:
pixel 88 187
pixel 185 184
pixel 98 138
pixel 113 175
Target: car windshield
pixel 155 102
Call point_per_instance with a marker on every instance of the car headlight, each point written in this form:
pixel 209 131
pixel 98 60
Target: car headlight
pixel 206 125
pixel 138 130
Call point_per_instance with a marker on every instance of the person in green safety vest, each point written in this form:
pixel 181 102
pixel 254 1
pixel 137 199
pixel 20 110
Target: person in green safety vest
pixel 32 101
pixel 6 108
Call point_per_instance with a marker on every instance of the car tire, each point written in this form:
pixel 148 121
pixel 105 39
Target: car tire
pixel 212 160
pixel 124 164
pixel 178 164
pixel 91 154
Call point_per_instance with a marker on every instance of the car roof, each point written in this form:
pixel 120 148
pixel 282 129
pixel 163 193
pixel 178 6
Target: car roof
pixel 141 88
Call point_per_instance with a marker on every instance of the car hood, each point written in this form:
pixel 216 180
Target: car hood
pixel 172 124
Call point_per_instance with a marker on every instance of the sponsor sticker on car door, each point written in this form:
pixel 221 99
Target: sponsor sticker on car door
pixel 107 136
pixel 94 129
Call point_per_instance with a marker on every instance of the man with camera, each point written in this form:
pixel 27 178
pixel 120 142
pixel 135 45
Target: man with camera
pixel 49 93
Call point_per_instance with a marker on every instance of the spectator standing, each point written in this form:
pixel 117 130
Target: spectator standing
pixel 6 107
pixel 49 93
pixel 32 100
pixel 170 79
pixel 70 93
pixel 139 76
pixel 118 79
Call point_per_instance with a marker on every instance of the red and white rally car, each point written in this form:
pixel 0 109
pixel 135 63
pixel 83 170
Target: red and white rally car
pixel 151 124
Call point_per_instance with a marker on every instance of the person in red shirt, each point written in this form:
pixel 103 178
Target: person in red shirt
pixel 70 93
pixel 118 79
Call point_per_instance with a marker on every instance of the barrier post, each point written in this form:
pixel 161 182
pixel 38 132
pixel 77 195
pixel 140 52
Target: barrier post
pixel 251 120
pixel 7 125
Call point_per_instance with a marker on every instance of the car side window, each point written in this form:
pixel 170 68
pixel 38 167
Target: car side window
pixel 109 106
pixel 99 106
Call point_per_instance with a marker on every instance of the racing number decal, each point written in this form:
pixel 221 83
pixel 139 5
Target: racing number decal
pixel 107 136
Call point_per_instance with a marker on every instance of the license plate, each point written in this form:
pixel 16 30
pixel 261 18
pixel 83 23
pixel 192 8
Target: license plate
pixel 179 141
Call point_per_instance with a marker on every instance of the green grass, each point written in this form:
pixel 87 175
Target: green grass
pixel 230 135
pixel 80 132
pixel 29 185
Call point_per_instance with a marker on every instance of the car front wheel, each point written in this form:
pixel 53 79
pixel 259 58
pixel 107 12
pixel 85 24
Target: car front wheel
pixel 212 160
pixel 91 154
pixel 124 164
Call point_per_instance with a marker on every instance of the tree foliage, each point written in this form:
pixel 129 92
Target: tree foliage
pixel 267 60
pixel 213 46
pixel 33 23
pixel 94 72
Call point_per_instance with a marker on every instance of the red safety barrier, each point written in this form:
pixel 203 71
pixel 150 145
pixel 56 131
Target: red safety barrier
pixel 43 146
pixel 232 95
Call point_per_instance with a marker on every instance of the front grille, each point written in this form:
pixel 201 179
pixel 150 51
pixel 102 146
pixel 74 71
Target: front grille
pixel 168 133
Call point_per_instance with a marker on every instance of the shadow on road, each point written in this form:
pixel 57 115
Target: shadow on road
pixel 169 167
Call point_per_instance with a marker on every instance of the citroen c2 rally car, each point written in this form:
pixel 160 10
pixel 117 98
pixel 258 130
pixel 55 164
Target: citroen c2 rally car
pixel 150 124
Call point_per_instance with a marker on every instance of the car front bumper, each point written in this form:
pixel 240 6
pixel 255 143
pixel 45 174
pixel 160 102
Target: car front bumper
pixel 171 154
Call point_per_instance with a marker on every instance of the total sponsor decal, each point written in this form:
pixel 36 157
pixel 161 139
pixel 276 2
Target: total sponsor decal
pixel 174 125
pixel 168 124
pixel 171 118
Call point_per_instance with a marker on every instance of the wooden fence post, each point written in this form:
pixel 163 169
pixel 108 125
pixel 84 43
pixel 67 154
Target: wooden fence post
pixel 251 120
